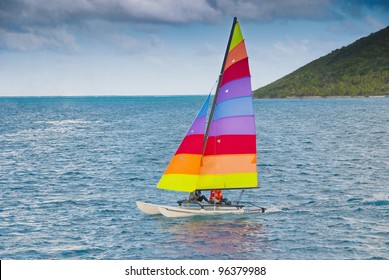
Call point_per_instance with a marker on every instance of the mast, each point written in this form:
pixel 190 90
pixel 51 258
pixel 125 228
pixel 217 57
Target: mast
pixel 218 84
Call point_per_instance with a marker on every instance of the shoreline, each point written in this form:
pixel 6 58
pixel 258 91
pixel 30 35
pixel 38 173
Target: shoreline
pixel 317 97
pixel 183 95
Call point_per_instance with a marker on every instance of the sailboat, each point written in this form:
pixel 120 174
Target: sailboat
pixel 219 153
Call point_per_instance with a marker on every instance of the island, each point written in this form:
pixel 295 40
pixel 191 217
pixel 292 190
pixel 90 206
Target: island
pixel 359 69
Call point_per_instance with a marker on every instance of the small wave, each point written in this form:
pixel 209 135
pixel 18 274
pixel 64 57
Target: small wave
pixel 377 258
pixel 354 199
pixel 376 202
pixel 60 202
pixel 273 209
pixel 136 179
pixel 66 122
pixel 71 173
pixel 106 211
pixel 311 202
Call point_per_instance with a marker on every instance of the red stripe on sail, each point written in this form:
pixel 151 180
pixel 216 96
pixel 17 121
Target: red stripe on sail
pixel 192 144
pixel 231 144
pixel 237 70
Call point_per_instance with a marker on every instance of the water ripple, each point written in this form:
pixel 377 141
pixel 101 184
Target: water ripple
pixel 71 170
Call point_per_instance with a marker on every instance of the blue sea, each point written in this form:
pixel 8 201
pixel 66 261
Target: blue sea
pixel 71 169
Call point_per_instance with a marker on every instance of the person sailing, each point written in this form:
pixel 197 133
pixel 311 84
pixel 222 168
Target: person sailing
pixel 216 196
pixel 195 197
pixel 198 197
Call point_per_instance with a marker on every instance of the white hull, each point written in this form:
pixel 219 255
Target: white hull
pixel 148 208
pixel 179 212
pixel 188 211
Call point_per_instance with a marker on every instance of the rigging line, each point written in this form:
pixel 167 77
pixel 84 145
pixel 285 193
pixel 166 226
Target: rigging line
pixel 240 197
pixel 214 85
pixel 263 209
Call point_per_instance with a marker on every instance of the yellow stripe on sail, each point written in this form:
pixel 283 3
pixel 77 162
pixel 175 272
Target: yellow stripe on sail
pixel 178 182
pixel 237 37
pixel 228 181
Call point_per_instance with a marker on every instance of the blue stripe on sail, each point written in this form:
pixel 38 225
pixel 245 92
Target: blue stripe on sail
pixel 204 109
pixel 241 106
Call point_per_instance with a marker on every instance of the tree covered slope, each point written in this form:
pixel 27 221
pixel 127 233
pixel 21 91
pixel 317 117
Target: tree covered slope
pixel 359 69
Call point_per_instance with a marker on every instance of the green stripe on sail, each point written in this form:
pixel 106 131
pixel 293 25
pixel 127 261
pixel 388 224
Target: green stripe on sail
pixel 237 37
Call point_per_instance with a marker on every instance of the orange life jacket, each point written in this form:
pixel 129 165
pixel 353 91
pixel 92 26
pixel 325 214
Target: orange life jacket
pixel 216 194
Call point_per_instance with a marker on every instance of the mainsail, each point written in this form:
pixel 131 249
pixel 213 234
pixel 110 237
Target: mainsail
pixel 229 159
pixel 224 156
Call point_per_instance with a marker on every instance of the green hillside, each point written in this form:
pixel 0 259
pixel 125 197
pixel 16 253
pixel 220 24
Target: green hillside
pixel 360 69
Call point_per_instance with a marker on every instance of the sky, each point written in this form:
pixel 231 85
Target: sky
pixel 166 47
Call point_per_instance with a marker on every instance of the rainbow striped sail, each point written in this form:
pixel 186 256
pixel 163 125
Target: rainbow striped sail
pixel 223 155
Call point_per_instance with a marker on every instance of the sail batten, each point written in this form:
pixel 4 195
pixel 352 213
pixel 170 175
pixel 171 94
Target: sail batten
pixel 221 154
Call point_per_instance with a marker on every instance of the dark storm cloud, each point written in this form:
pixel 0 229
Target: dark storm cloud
pixel 277 9
pixel 40 24
pixel 22 21
pixel 16 13
pixel 43 12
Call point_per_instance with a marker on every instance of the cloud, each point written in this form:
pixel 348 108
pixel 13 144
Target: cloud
pixel 43 12
pixel 297 9
pixel 358 8
pixel 20 13
pixel 25 24
pixel 374 23
pixel 277 9
pixel 291 47
pixel 33 39
pixel 127 44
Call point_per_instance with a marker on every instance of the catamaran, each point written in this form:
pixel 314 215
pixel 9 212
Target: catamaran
pixel 221 153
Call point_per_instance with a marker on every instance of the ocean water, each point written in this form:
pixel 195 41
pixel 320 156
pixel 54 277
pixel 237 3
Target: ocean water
pixel 71 170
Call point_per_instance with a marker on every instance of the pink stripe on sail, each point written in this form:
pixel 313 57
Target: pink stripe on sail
pixel 236 125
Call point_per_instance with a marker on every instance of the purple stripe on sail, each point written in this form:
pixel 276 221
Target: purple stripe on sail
pixel 233 126
pixel 197 127
pixel 235 88
pixel 241 106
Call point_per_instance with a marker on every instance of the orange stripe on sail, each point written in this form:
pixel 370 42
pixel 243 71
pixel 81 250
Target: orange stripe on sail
pixel 236 54
pixel 228 164
pixel 184 164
